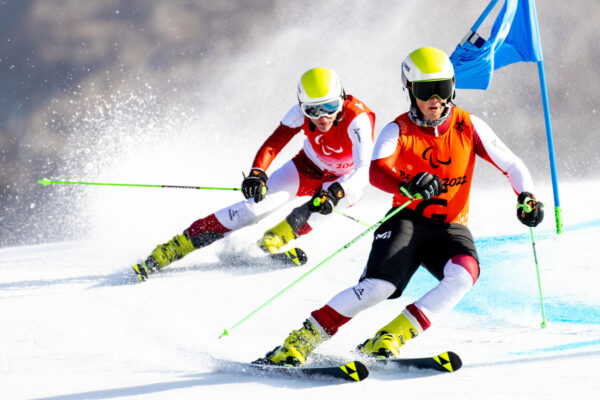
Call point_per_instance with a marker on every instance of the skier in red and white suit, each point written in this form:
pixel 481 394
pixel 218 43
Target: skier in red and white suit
pixel 332 168
pixel 429 151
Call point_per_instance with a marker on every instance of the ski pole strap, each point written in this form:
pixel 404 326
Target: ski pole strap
pixel 226 331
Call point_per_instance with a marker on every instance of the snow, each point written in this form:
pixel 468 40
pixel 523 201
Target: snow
pixel 77 325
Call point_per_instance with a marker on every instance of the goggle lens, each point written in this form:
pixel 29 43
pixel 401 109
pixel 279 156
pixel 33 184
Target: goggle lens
pixel 426 90
pixel 318 110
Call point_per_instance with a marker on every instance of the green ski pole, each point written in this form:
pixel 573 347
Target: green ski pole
pixel 527 208
pixel 226 331
pixel 537 269
pixel 45 182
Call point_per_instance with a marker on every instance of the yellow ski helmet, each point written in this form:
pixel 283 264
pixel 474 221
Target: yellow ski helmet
pixel 320 92
pixel 428 72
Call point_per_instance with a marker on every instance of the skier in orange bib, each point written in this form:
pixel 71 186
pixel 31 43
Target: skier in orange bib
pixel 430 151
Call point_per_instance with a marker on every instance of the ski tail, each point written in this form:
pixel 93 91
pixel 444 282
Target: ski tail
pixel 448 361
pixel 353 371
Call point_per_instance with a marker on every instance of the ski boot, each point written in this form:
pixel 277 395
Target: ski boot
pixel 297 346
pixel 277 237
pixel 389 339
pixel 163 255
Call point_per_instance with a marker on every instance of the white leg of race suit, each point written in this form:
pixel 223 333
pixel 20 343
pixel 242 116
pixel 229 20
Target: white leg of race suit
pixel 282 186
pixel 456 283
pixel 366 294
pixel 452 288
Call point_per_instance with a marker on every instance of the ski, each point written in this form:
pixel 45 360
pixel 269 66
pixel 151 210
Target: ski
pixel 293 257
pixel 353 371
pixel 444 362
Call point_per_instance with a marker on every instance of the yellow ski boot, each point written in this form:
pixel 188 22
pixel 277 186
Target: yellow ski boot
pixel 163 255
pixel 390 338
pixel 277 237
pixel 297 346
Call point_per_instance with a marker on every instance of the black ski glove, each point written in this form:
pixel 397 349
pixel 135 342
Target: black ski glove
pixel 255 185
pixel 326 200
pixel 426 184
pixel 529 211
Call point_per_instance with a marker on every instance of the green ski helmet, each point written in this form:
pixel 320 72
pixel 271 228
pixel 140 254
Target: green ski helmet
pixel 428 72
pixel 320 93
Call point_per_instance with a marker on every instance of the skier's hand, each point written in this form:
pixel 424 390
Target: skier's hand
pixel 326 200
pixel 425 184
pixel 255 185
pixel 529 211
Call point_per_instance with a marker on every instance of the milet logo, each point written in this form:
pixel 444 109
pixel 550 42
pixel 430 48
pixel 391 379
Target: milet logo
pixel 384 235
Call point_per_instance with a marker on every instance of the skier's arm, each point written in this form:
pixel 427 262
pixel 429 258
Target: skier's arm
pixel 385 153
pixel 290 125
pixel 360 132
pixel 489 147
pixel 273 146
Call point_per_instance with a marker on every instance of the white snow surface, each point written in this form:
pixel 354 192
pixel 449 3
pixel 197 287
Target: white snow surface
pixel 76 324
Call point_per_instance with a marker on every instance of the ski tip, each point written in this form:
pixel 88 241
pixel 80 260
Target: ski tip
pixel 449 361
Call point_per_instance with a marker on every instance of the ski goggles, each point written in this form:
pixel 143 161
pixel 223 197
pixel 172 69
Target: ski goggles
pixel 329 108
pixel 425 90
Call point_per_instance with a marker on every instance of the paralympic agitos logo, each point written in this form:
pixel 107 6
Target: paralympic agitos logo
pixel 428 156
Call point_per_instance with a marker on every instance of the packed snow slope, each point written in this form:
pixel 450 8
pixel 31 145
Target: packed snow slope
pixel 76 324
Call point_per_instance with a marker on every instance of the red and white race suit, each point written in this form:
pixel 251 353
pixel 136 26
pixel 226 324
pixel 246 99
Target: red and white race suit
pixel 342 154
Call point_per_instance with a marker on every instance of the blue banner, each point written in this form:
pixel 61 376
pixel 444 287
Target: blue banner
pixel 514 37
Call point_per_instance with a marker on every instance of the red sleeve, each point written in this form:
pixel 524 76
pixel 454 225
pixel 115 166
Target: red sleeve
pixel 382 174
pixel 273 146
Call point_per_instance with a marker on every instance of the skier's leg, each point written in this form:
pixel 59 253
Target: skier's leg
pixel 215 226
pixel 381 280
pixel 460 274
pixel 457 275
pixel 454 264
pixel 324 322
pixel 293 225
pixel 303 218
